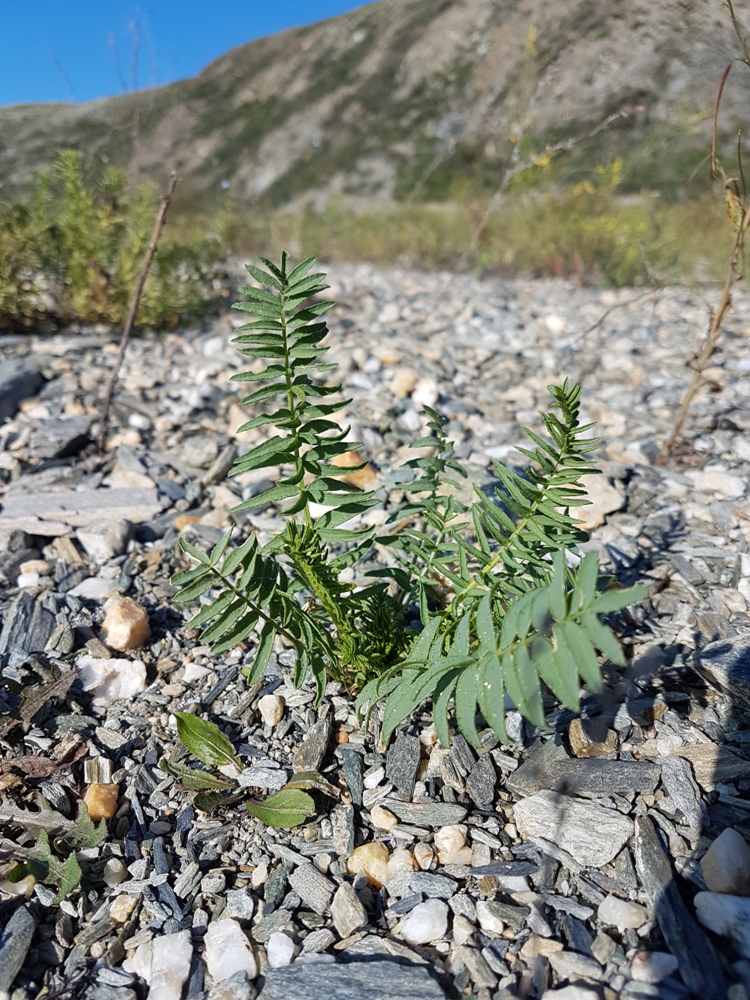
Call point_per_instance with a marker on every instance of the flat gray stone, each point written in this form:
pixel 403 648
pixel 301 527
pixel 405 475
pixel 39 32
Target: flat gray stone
pixel 402 763
pixel 347 911
pixel 597 776
pixel 531 776
pixel 311 751
pixel 351 765
pixel 26 629
pixel 589 833
pixel 313 887
pixel 74 507
pixel 682 788
pixel 481 780
pixel 15 941
pixel 426 813
pixel 19 379
pixel 698 962
pixel 373 979
pixel 60 438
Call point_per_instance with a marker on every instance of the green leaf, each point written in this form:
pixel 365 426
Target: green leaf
pixel 263 653
pixel 614 600
pixel 307 780
pixel 466 705
pixel 194 779
pixel 205 740
pixel 284 809
pixel 195 553
pixel 603 638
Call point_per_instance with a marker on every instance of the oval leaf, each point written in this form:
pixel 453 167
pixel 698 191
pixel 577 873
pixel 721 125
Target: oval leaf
pixel 205 740
pixel 287 808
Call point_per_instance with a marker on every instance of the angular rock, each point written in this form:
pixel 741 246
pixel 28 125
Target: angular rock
pixel 678 780
pixel 61 438
pixel 313 887
pixel 591 834
pixel 228 951
pixel 603 499
pixel 372 979
pixel 27 628
pixel 372 859
pixel 20 378
pixel 104 540
pixel 125 625
pixel 347 911
pixel 109 680
pixel 481 780
pixel 713 764
pixel 429 814
pixel 236 987
pixel 311 751
pixel 280 950
pixel 76 507
pixel 170 967
pixel 532 775
pixel 726 664
pixel 15 941
pixel 402 763
pixel 621 913
pixel 697 959
pixel 598 777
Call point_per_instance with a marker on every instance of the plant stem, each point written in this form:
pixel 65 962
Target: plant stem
pixel 161 218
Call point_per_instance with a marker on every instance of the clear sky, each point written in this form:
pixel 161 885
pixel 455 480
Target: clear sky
pixel 78 50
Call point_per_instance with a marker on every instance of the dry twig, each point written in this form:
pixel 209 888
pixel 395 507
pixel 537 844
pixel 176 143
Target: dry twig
pixel 161 218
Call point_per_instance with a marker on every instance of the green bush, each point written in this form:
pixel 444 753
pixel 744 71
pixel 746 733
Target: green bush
pixel 72 250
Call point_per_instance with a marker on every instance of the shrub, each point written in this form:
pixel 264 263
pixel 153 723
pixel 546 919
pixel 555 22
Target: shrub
pixel 72 250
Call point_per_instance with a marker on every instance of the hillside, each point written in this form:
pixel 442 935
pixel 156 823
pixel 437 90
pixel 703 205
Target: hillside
pixel 402 97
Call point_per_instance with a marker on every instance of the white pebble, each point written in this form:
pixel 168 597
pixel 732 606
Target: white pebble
pixel 726 864
pixel 488 921
pixel 280 950
pixel 652 966
pixel 621 913
pixel 228 951
pixel 271 708
pixel 426 922
pixel 450 839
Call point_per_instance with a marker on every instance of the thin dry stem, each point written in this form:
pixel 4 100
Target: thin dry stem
pixel 161 218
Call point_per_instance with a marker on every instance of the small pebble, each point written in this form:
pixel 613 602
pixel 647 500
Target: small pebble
pixel 427 922
pixel 726 864
pixel 271 708
pixel 280 950
pixel 126 624
pixel 101 800
pixel 652 966
pixel 372 859
pixel 621 913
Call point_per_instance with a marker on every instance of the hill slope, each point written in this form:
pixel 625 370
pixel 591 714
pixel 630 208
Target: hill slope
pixel 402 97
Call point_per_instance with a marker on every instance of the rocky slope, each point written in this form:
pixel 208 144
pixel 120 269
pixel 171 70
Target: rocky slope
pixel 402 97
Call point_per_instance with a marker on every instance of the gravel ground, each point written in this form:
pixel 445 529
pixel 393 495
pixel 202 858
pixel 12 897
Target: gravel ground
pixel 605 856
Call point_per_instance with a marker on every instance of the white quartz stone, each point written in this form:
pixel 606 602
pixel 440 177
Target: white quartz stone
pixel 228 950
pixel 170 967
pixel 426 922
pixel 621 913
pixel 726 915
pixel 111 679
pixel 280 950
pixel 726 864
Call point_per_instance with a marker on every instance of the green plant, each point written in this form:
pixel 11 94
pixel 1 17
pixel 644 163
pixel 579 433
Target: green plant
pixel 505 602
pixel 286 808
pixel 72 251
pixel 54 861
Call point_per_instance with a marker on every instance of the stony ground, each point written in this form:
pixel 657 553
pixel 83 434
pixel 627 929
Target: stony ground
pixel 571 863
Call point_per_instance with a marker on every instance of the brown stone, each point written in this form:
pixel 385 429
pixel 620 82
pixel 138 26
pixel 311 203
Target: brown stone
pixel 372 859
pixel 101 800
pixel 591 738
pixel 126 624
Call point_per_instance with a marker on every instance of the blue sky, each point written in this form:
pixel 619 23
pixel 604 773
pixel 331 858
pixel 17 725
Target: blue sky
pixel 78 50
